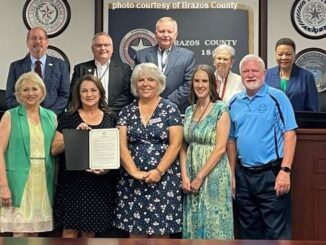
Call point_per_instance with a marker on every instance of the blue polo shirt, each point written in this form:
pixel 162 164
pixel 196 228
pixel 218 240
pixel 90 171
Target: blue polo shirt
pixel 258 124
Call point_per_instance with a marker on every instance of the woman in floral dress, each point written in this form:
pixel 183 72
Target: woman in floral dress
pixel 205 170
pixel 149 189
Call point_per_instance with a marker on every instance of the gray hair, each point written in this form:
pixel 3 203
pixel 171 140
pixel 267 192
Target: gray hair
pixel 151 69
pixel 252 57
pixel 167 19
pixel 29 77
pixel 102 33
pixel 226 47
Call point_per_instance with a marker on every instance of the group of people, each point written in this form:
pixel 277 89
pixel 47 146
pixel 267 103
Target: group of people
pixel 236 141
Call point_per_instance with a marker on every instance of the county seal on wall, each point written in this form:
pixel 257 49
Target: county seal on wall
pixel 314 60
pixel 58 53
pixel 133 41
pixel 309 18
pixel 52 15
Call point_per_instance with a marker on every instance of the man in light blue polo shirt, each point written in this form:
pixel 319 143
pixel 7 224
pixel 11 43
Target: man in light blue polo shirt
pixel 261 148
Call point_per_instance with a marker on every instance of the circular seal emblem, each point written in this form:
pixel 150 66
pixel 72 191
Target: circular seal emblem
pixel 58 53
pixel 133 41
pixel 309 18
pixel 314 60
pixel 52 15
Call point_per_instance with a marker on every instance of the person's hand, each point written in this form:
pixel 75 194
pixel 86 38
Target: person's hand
pixel 153 177
pixel 196 184
pixel 83 126
pixel 282 183
pixel 98 171
pixel 6 196
pixel 185 183
pixel 233 186
pixel 139 175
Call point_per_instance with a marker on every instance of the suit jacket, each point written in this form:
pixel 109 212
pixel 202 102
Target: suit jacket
pixel 178 72
pixel 301 90
pixel 119 82
pixel 56 79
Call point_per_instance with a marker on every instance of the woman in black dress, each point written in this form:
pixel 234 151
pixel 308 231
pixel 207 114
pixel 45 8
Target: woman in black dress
pixel 84 199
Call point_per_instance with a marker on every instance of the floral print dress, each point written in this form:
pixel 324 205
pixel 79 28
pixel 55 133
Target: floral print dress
pixel 207 214
pixel 149 208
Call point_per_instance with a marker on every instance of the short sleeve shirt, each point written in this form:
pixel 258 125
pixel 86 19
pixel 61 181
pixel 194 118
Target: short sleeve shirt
pixel 258 124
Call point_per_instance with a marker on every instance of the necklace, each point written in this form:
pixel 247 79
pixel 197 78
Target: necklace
pixel 91 118
pixel 192 128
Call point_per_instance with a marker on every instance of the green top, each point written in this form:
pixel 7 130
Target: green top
pixel 284 84
pixel 18 154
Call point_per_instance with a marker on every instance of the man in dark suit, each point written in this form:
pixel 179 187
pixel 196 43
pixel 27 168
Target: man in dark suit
pixel 54 71
pixel 176 63
pixel 114 75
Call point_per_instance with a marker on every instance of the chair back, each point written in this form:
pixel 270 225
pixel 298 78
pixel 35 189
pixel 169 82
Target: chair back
pixel 3 104
pixel 322 102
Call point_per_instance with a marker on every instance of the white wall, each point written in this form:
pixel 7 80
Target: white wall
pixel 75 41
pixel 280 25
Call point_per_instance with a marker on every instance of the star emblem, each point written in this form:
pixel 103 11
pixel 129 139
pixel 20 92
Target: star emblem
pixel 140 45
pixel 314 14
pixel 46 12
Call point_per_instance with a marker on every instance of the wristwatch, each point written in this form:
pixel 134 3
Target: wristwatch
pixel 286 169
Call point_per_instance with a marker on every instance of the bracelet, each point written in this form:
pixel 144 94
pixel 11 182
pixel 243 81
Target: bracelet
pixel 159 171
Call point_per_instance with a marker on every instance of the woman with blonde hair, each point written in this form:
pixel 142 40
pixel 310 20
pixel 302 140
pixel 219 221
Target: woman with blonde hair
pixel 26 163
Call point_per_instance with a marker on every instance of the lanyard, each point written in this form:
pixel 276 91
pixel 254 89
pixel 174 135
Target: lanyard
pixel 224 87
pixel 102 75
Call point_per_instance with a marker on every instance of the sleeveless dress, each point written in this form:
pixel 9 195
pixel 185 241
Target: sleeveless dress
pixel 35 211
pixel 207 214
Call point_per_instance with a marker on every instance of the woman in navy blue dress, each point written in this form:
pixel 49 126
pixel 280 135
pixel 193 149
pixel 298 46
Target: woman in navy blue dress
pixel 84 201
pixel 149 190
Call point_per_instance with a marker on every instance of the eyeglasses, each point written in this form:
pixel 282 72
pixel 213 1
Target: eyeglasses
pixel 35 38
pixel 105 45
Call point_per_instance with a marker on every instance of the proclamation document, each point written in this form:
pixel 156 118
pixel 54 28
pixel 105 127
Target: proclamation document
pixel 104 148
pixel 96 148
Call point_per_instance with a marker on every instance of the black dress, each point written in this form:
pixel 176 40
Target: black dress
pixel 84 201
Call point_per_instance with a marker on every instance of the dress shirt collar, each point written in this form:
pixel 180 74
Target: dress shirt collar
pixel 42 59
pixel 99 65
pixel 165 51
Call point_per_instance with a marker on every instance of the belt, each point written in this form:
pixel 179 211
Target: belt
pixel 273 165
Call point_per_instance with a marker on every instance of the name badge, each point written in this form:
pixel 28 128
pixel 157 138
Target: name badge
pixel 155 120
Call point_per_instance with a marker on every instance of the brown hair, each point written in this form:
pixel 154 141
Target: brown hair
pixel 213 95
pixel 76 101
